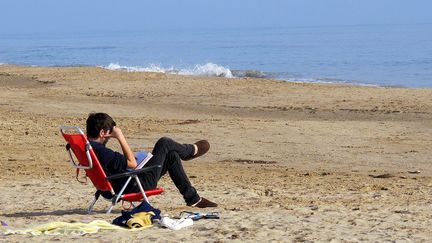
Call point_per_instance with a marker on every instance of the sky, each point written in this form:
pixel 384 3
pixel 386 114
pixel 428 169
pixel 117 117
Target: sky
pixel 30 16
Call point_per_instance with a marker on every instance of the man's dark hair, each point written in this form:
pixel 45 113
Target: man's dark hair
pixel 98 121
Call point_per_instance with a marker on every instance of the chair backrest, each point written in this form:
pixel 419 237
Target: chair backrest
pixel 81 148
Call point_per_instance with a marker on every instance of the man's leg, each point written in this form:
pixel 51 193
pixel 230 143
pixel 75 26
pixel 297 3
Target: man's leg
pixel 168 154
pixel 176 171
pixel 160 153
pixel 165 145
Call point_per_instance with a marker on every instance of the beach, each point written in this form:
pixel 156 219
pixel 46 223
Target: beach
pixel 288 161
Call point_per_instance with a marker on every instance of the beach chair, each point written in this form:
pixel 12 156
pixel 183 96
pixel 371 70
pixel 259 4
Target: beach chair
pixel 79 145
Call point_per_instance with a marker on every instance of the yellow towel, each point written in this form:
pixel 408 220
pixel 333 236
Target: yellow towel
pixel 140 220
pixel 63 228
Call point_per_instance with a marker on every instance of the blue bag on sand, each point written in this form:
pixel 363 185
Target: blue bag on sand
pixel 142 207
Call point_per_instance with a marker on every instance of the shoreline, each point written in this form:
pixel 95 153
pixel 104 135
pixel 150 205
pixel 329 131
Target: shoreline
pixel 306 81
pixel 288 161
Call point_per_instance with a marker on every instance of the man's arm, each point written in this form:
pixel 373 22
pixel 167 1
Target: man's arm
pixel 127 152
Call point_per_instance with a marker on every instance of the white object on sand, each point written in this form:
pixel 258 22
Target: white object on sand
pixel 175 224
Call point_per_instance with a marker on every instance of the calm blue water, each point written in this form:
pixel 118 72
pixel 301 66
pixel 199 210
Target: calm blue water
pixel 388 55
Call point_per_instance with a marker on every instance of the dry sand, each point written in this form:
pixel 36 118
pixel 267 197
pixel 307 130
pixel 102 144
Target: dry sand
pixel 289 162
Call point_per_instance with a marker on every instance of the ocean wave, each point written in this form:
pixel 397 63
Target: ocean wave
pixel 206 70
pixel 151 68
pixel 252 74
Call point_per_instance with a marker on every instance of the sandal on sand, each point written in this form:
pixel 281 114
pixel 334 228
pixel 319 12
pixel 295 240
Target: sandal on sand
pixel 203 146
pixel 197 216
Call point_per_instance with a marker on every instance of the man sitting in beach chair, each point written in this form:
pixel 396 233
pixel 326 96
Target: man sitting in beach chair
pixel 167 153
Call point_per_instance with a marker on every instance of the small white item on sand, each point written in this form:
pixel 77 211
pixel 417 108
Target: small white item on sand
pixel 414 172
pixel 175 224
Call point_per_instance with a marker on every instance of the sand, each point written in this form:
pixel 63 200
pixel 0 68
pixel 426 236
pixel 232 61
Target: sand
pixel 288 162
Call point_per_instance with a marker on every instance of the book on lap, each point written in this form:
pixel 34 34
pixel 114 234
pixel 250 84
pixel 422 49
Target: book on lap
pixel 142 158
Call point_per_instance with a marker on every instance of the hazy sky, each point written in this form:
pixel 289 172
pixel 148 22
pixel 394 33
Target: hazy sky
pixel 24 16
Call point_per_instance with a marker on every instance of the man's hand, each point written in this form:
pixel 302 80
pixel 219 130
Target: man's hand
pixel 115 133
pixel 127 152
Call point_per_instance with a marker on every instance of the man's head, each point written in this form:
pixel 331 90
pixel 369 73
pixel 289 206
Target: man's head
pixel 99 123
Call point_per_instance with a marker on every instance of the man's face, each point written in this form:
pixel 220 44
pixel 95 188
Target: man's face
pixel 105 136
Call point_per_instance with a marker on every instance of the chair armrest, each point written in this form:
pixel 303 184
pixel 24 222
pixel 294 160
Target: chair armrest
pixel 132 172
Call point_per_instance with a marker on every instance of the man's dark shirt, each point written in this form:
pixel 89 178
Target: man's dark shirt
pixel 111 161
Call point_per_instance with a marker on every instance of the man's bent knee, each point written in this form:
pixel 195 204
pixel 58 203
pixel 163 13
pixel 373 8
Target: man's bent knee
pixel 163 141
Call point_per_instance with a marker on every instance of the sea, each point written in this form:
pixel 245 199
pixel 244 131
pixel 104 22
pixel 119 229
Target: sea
pixel 395 55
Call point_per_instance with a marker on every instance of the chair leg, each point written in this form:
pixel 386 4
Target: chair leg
pixel 115 199
pixel 141 189
pixel 110 208
pixel 92 203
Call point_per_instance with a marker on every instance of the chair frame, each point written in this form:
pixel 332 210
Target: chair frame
pixel 92 160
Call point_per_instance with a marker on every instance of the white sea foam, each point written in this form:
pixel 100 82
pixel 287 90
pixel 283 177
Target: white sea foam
pixel 329 81
pixel 206 70
pixel 151 68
